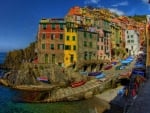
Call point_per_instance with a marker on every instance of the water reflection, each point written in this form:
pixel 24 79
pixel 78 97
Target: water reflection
pixel 15 101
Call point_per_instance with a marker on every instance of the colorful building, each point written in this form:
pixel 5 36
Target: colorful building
pixel 71 45
pixel 86 34
pixel 51 41
pixel 132 42
pixel 87 45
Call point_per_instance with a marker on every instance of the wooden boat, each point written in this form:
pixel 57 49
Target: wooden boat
pixel 139 69
pixel 114 63
pixel 102 75
pixel 125 62
pixel 77 84
pixel 94 73
pixel 107 67
pixel 43 79
pixel 125 75
pixel 83 73
pixel 138 72
pixel 120 67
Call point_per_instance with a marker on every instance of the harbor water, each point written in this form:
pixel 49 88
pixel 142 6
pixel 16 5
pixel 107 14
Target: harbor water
pixel 11 101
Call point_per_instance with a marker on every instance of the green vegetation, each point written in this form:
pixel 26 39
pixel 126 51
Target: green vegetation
pixel 139 18
pixel 16 57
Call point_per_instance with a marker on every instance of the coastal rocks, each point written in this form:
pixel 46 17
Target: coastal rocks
pixel 4 82
pixel 88 95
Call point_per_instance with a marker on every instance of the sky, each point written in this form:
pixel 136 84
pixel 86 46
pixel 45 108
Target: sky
pixel 19 18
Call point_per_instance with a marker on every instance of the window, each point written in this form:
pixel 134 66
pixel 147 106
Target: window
pixel 85 44
pixel 128 41
pixel 71 58
pixel 102 48
pixel 43 36
pixel 90 55
pixel 53 26
pixel 61 36
pixel 52 46
pixel 90 44
pixel 84 34
pixel 74 30
pixel 73 38
pixel 132 41
pixel 128 36
pixel 74 47
pixel 67 38
pixel 131 36
pixel 67 47
pixel 44 26
pixel 90 35
pixel 61 46
pixel 101 39
pixel 85 55
pixel 43 46
pixel 97 47
pixel 52 36
pixel 61 27
pixel 68 30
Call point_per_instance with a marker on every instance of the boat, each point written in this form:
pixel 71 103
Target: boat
pixel 43 78
pixel 120 67
pixel 83 73
pixel 94 73
pixel 139 64
pixel 114 63
pixel 77 84
pixel 138 72
pixel 125 75
pixel 125 62
pixel 102 75
pixel 139 69
pixel 107 67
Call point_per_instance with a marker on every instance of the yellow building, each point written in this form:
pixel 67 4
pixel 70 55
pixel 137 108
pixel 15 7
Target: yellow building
pixel 70 42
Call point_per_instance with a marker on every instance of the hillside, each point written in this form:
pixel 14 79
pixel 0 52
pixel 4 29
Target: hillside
pixel 139 18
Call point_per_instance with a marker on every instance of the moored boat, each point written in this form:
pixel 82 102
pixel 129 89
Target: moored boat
pixel 77 84
pixel 94 73
pixel 102 75
pixel 107 67
pixel 42 78
pixel 125 75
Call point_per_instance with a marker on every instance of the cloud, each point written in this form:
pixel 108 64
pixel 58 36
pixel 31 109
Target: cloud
pixel 91 2
pixel 145 1
pixel 125 3
pixel 115 10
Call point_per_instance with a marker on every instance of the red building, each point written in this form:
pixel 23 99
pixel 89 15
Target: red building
pixel 51 41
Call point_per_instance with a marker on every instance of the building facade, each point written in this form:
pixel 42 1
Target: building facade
pixel 132 42
pixel 51 41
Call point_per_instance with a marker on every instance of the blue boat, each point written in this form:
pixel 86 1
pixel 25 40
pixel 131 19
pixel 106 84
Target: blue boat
pixel 136 72
pixel 102 75
pixel 139 65
pixel 94 73
pixel 125 62
pixel 83 73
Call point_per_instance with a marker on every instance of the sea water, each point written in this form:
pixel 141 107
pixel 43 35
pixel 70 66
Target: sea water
pixel 9 102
